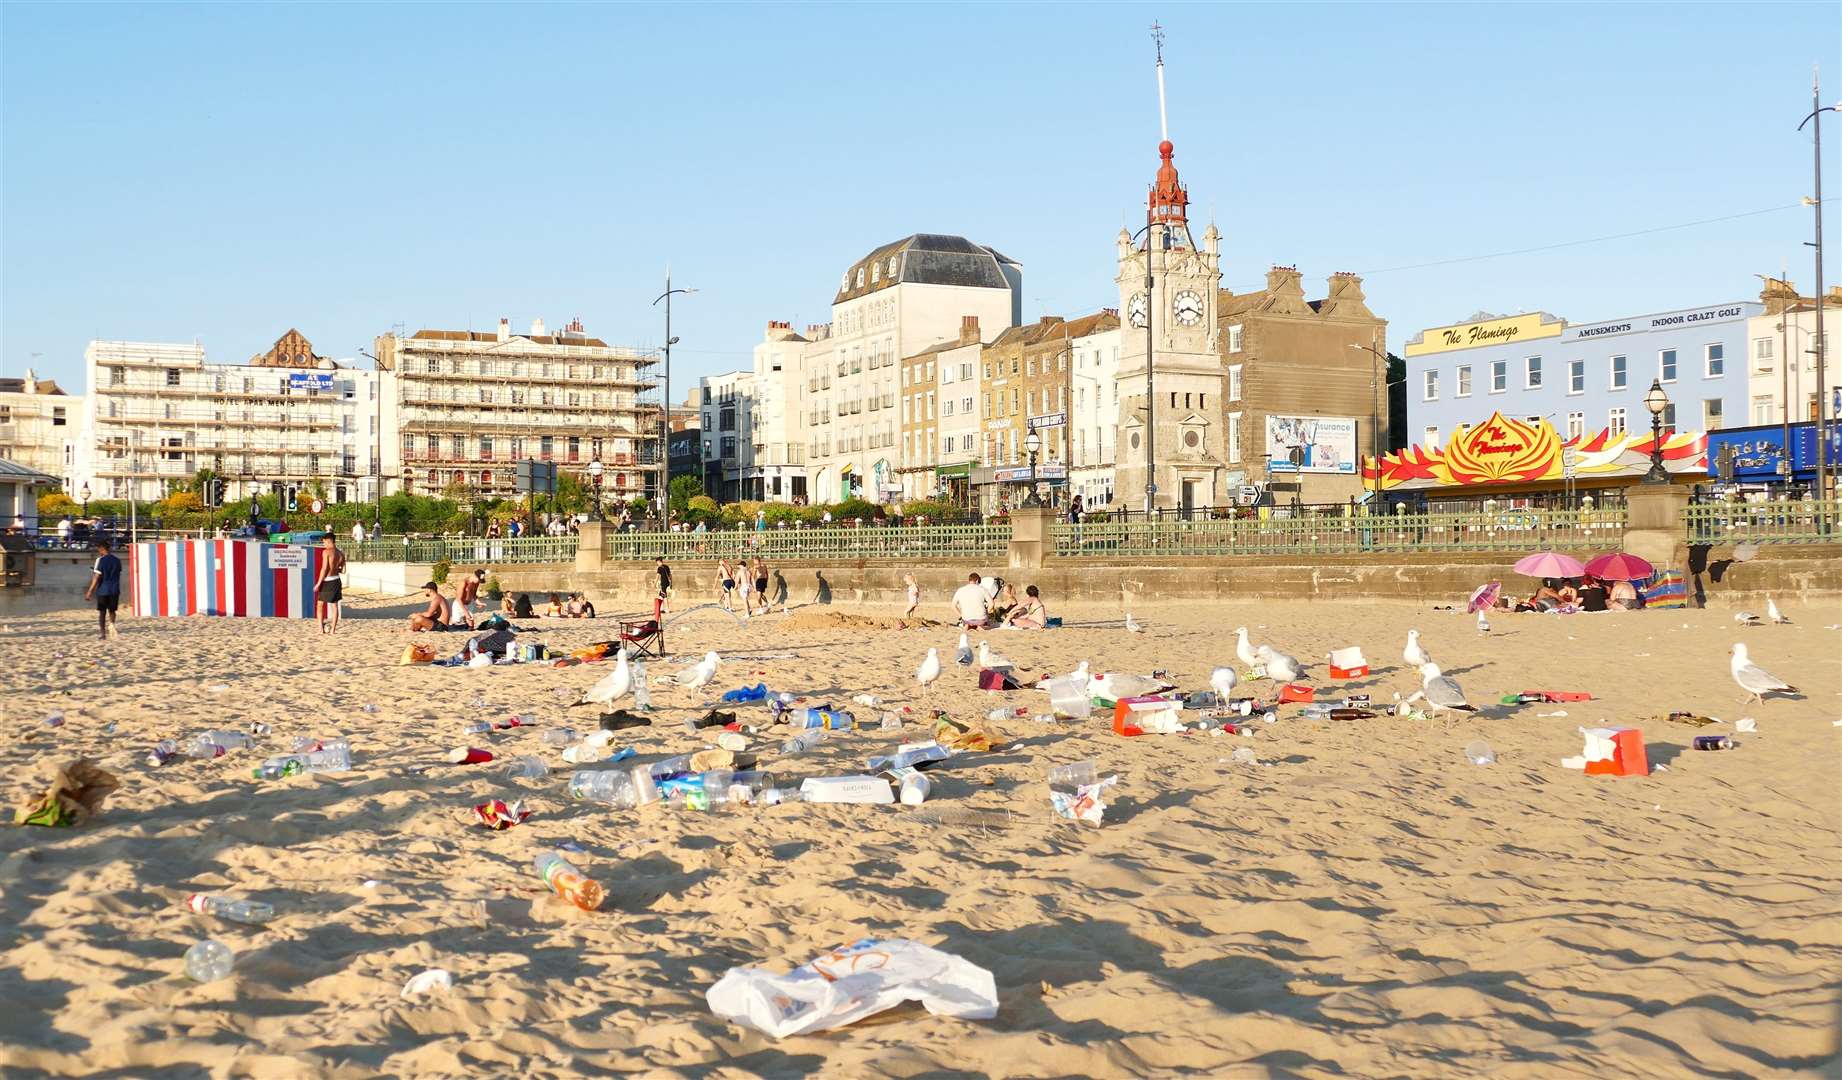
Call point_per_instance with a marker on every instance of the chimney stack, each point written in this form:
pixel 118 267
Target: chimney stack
pixel 505 329
pixel 537 328
pixel 968 329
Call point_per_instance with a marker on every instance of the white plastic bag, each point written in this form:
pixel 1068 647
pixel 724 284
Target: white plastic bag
pixel 847 984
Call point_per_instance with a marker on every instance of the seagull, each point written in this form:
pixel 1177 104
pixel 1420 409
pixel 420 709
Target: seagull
pixel 1483 624
pixel 929 670
pixel 992 661
pixel 1132 626
pixel 1281 667
pixel 1114 685
pixel 1755 680
pixel 1222 680
pixel 1080 672
pixel 613 686
pixel 702 673
pixel 964 655
pixel 1745 618
pixel 1441 691
pixel 1413 653
pixel 1242 650
pixel 1772 612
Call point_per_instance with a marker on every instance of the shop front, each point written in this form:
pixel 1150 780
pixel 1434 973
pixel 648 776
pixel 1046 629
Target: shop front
pixel 1003 488
pixel 1517 463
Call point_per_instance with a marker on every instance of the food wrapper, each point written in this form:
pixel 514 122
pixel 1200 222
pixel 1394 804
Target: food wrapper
pixel 1084 802
pixel 77 791
pixel 849 983
pixel 957 737
pixel 496 815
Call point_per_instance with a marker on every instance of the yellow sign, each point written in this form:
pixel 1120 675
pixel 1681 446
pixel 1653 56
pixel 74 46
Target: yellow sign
pixel 1494 332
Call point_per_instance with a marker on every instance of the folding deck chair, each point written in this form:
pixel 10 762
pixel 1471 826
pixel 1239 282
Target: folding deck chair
pixel 642 633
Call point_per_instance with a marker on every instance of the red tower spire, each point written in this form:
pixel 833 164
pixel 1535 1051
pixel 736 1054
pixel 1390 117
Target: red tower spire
pixel 1170 200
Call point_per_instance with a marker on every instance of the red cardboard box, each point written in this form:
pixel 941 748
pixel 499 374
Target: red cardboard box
pixel 1296 693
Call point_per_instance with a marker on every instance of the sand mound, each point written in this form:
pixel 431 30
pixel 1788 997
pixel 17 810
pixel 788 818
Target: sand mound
pixel 842 620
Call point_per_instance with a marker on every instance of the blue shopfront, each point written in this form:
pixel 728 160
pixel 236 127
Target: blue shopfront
pixel 1755 456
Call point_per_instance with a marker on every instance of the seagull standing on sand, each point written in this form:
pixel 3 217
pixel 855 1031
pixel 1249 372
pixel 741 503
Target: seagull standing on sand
pixel 1242 650
pixel 1415 656
pixel 1772 612
pixel 1441 691
pixel 702 673
pixel 1745 618
pixel 1755 680
pixel 964 653
pixel 613 686
pixel 1222 681
pixel 1132 626
pixel 992 661
pixel 1281 667
pixel 929 670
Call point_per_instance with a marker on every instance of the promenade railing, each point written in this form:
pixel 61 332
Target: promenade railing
pixel 484 551
pixel 1517 531
pixel 1789 521
pixel 915 543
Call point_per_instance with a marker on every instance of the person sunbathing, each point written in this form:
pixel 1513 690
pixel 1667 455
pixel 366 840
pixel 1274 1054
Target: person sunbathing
pixel 1029 615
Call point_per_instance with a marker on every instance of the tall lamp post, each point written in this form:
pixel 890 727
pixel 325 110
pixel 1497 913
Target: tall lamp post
pixel 85 496
pixel 1151 309
pixel 1032 442
pixel 1375 358
pixel 1656 401
pixel 1822 385
pixel 594 472
pixel 665 410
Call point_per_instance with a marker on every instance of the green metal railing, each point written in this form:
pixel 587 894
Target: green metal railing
pixel 465 549
pixel 1793 521
pixel 1507 530
pixel 919 543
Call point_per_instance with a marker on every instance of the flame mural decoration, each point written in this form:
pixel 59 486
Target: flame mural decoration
pixel 1505 451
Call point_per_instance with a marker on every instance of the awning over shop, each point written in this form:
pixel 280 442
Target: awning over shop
pixel 960 471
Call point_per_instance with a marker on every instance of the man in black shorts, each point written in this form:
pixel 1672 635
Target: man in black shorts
pixel 329 589
pixel 105 588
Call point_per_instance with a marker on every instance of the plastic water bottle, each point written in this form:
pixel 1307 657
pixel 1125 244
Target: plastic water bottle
pixel 516 720
pixel 226 907
pixel 675 766
pixel 217 743
pixel 209 960
pixel 1480 753
pixel 804 741
pixel 304 744
pixel 867 700
pixel 1317 710
pixel 624 788
pixel 331 759
pixel 528 767
pixel 1081 772
pixel 911 759
pixel 477 727
pixel 642 697
pixel 367 707
pixel 164 751
pixel 568 882
pixel 774 796
pixel 559 736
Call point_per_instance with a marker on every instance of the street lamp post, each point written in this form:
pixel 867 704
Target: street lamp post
pixel 1375 357
pixel 1032 442
pixel 1656 401
pixel 1822 386
pixel 1151 308
pixel 85 495
pixel 594 472
pixel 665 408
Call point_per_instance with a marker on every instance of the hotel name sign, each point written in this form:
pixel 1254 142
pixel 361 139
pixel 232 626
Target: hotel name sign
pixel 1491 332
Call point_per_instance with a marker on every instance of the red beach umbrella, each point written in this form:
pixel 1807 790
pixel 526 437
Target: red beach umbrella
pixel 1619 566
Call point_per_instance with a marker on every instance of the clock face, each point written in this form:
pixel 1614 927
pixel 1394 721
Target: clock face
pixel 1138 310
pixel 1187 308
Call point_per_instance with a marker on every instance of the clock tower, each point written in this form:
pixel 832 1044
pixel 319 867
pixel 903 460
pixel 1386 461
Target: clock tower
pixel 1170 430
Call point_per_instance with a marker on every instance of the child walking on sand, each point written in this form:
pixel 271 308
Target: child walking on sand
pixel 914 596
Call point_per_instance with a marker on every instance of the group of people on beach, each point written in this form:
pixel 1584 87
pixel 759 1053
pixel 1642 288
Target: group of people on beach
pixel 746 576
pixel 1588 594
pixel 991 602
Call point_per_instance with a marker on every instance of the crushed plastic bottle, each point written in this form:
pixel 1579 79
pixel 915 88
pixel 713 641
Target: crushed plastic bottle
pixel 568 882
pixel 527 767
pixel 164 751
pixel 624 788
pixel 559 736
pixel 1081 772
pixel 227 907
pixel 332 759
pixel 867 700
pixel 918 757
pixel 217 743
pixel 477 727
pixel 804 741
pixel 209 961
pixel 670 767
pixel 996 715
pixel 306 744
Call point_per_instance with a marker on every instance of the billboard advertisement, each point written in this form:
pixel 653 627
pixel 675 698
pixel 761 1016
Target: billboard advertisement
pixel 1313 444
pixel 314 381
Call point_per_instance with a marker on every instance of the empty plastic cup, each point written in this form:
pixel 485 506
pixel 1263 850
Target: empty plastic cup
pixel 1480 753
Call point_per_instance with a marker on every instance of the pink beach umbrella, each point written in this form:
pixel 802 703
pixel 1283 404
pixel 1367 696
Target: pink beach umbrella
pixel 1619 566
pixel 1547 564
pixel 1485 596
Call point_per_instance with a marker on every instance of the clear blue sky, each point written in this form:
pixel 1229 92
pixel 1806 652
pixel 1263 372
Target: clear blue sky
pixel 224 172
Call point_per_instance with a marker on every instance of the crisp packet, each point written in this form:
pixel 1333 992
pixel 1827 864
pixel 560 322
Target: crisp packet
pixel 496 815
pixel 1083 803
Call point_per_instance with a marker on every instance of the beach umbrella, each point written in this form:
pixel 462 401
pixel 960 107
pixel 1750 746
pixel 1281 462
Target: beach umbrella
pixel 1619 566
pixel 1485 596
pixel 1547 564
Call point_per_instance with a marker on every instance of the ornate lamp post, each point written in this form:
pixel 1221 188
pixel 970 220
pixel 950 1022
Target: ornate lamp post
pixel 85 496
pixel 1033 443
pixel 1656 401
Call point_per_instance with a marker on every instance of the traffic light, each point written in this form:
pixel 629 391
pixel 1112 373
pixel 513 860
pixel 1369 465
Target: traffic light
pixel 217 491
pixel 293 503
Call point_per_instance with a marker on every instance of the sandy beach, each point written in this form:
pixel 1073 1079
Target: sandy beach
pixel 1361 902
